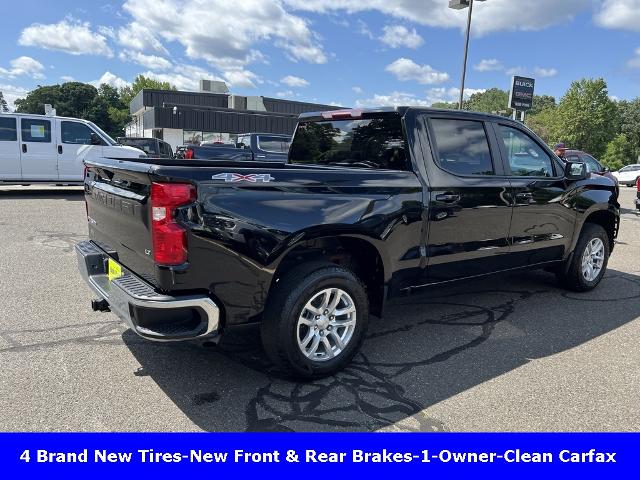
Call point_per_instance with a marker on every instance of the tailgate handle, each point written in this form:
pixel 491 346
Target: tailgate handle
pixel 24 148
pixel 448 198
pixel 60 149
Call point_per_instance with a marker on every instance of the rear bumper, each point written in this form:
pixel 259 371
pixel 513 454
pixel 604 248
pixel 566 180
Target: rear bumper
pixel 150 314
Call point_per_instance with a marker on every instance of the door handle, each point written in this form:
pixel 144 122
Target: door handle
pixel 24 148
pixel 60 149
pixel 448 198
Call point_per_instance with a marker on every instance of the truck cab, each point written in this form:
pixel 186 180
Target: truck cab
pixel 370 204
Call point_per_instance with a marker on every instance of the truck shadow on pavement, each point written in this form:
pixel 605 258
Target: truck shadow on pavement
pixel 427 347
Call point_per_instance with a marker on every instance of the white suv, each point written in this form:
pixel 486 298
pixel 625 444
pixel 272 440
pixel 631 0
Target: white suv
pixel 628 175
pixel 50 149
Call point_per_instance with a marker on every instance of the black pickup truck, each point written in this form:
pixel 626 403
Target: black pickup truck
pixel 371 204
pixel 262 147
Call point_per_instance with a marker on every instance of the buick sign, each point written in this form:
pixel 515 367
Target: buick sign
pixel 521 96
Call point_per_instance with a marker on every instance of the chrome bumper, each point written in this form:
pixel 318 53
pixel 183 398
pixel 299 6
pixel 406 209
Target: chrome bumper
pixel 150 314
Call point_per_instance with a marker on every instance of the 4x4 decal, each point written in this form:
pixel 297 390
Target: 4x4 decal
pixel 237 177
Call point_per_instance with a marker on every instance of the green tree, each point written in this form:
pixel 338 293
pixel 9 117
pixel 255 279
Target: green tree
pixel 542 103
pixel 491 101
pixel 588 117
pixel 139 83
pixel 71 99
pixel 618 153
pixel 108 111
pixel 629 112
pixel 546 124
pixel 445 105
pixel 3 104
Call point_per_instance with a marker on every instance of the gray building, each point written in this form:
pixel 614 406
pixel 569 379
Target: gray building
pixel 179 117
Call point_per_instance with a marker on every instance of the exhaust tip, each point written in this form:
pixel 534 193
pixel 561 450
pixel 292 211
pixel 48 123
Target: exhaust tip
pixel 100 305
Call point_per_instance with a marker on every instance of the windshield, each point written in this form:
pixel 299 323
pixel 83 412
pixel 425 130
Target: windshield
pixel 274 144
pixel 103 134
pixel 376 143
pixel 148 146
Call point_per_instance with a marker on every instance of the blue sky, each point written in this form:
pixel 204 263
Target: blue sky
pixel 348 52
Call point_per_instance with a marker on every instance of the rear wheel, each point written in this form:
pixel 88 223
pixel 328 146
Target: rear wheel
pixel 588 264
pixel 315 320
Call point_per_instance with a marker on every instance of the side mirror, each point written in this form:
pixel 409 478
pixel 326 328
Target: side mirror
pixel 575 171
pixel 605 170
pixel 95 139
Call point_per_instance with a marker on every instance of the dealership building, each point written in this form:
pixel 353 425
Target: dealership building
pixel 212 114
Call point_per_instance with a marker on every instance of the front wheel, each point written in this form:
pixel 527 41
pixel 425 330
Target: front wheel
pixel 588 264
pixel 315 320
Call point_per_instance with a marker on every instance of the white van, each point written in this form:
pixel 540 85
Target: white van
pixel 50 149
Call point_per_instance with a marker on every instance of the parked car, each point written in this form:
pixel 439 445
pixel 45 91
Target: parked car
pixel 153 147
pixel 51 149
pixel 264 147
pixel 594 167
pixel 628 175
pixel 371 204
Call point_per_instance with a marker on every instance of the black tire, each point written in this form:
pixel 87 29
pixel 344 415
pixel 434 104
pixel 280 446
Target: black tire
pixel 571 276
pixel 286 303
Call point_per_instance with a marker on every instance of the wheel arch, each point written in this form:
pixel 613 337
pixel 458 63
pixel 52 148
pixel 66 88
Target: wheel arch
pixel 356 253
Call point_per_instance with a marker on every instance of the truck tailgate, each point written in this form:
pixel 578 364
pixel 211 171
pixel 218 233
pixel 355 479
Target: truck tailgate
pixel 118 214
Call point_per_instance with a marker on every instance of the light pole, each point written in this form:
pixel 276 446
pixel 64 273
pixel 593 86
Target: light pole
pixel 459 5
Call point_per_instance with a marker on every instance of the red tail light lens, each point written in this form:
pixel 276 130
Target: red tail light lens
pixel 169 238
pixel 188 154
pixel 638 184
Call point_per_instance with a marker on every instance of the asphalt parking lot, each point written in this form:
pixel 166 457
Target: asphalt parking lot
pixel 506 353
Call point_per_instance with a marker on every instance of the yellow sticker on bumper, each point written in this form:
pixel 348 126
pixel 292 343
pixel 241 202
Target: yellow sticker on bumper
pixel 115 270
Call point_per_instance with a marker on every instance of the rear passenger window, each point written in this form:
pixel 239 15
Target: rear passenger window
pixel 462 146
pixel 75 133
pixel 8 131
pixel 36 130
pixel 526 157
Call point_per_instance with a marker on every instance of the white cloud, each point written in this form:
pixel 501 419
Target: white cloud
pixel 489 65
pixel 136 36
pixel 11 93
pixel 393 99
pixel 149 61
pixel 184 77
pixel 545 72
pixel 287 94
pixel 405 69
pixel 241 78
pixel 619 14
pixel 227 37
pixel 452 94
pixel 69 35
pixel 433 95
pixel 110 79
pixel 67 78
pixel 634 62
pixel 23 66
pixel 516 71
pixel 400 36
pixel 492 16
pixel 363 29
pixel 293 81
pixel 357 89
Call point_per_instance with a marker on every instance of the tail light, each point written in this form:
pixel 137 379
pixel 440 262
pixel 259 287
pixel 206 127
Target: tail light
pixel 188 154
pixel 638 184
pixel 169 238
